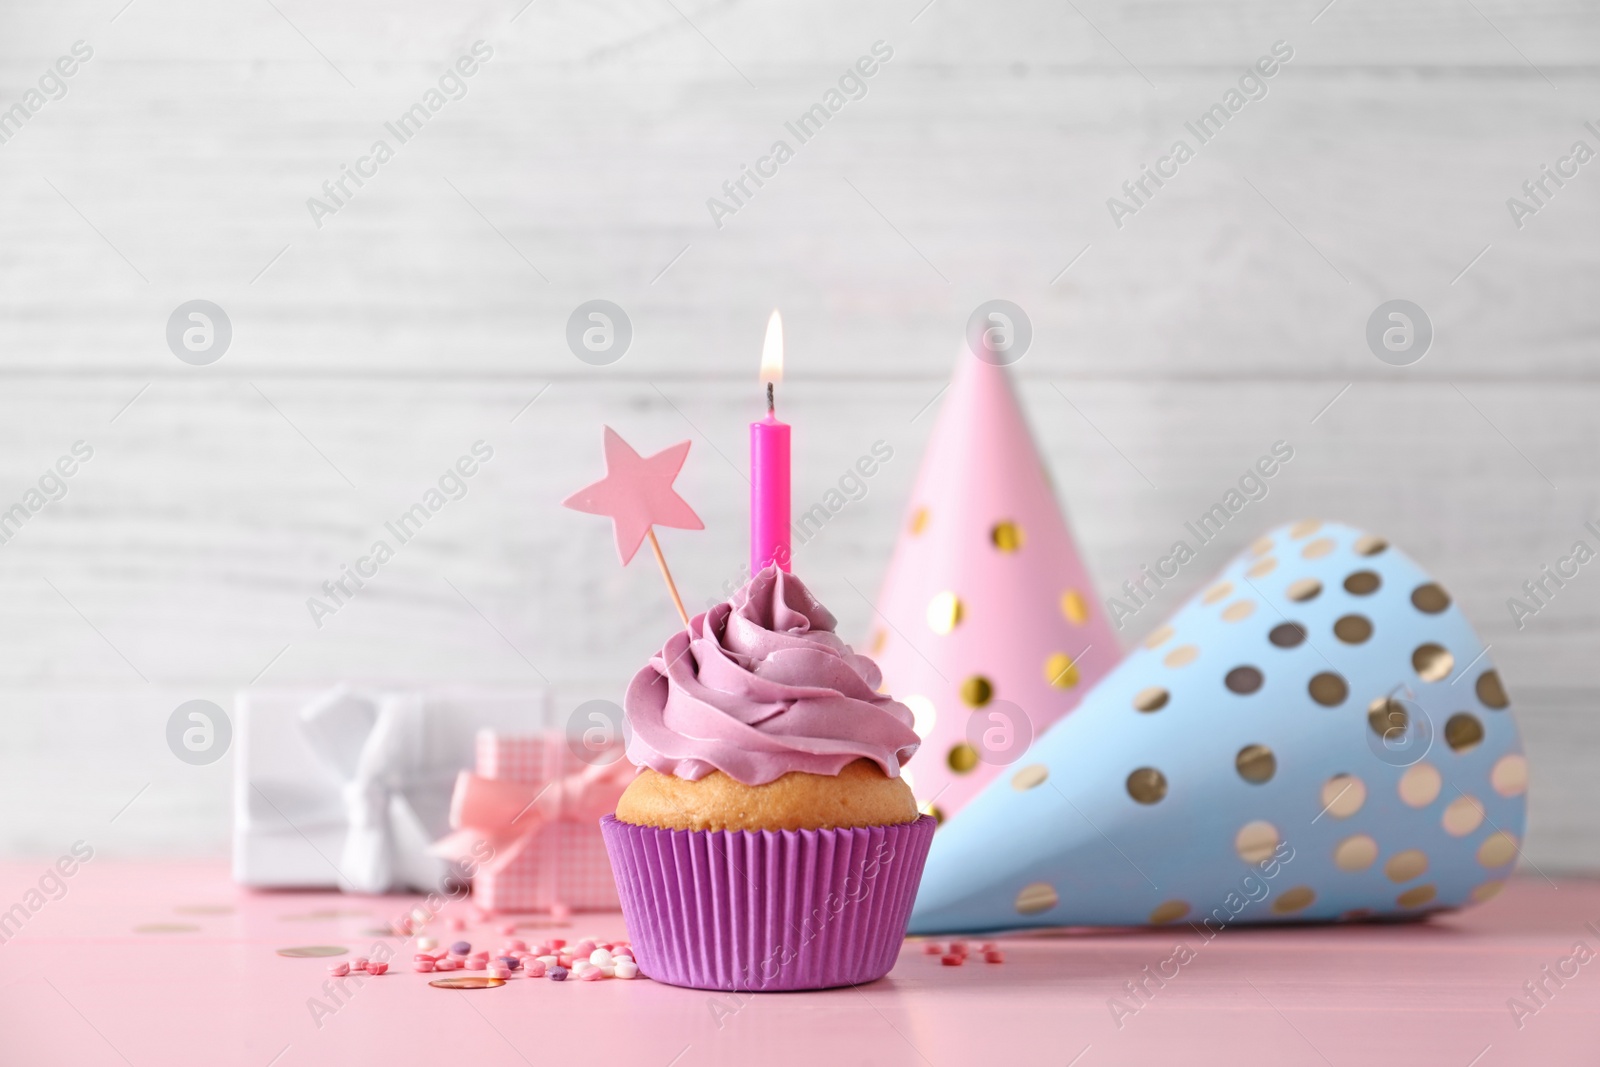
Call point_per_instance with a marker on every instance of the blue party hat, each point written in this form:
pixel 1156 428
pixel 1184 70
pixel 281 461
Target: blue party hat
pixel 1319 735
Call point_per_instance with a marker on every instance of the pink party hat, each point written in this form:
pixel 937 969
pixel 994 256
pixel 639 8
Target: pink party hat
pixel 988 628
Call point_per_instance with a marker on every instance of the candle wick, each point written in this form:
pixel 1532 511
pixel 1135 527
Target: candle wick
pixel 769 398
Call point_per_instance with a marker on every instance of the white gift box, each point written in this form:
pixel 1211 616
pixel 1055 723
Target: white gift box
pixel 347 786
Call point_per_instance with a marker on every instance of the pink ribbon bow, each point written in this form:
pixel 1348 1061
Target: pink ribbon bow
pixel 509 815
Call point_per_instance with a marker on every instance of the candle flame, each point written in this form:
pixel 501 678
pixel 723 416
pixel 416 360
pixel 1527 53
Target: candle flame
pixel 772 351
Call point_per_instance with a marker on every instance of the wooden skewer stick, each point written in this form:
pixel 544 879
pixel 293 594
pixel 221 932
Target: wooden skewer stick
pixel 672 586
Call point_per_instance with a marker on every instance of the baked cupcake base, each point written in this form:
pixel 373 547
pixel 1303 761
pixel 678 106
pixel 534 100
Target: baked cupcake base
pixel 767 910
pixel 859 795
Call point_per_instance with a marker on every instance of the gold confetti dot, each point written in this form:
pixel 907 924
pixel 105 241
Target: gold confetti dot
pixel 1368 545
pixel 1182 656
pixel 1153 698
pixel 1006 536
pixel 467 981
pixel 1462 816
pixel 977 691
pixel 312 951
pixel 1388 717
pixel 1404 866
pixel 1463 731
pixel 919 521
pixel 1343 795
pixel 1262 568
pixel 1060 671
pixel 1034 774
pixel 962 758
pixel 1147 785
pixel 1361 583
pixel 944 612
pixel 1419 786
pixel 1353 629
pixel 1261 547
pixel 1304 528
pixel 1417 897
pixel 1432 662
pixel 1487 891
pixel 1238 611
pixel 938 815
pixel 923 714
pixel 1074 607
pixel 1290 901
pixel 1256 841
pixel 1355 853
pixel 1328 689
pixel 1491 692
pixel 1216 593
pixel 1158 637
pixel 1256 763
pixel 1169 912
pixel 1430 598
pixel 1497 850
pixel 1303 589
pixel 1510 775
pixel 1317 549
pixel 878 638
pixel 1040 896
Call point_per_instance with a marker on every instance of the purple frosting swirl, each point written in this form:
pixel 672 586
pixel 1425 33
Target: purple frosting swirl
pixel 760 686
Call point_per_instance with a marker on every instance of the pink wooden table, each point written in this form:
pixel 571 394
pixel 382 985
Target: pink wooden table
pixel 170 964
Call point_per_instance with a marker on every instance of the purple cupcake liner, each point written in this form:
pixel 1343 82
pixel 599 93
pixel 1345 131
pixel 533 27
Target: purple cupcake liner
pixel 767 910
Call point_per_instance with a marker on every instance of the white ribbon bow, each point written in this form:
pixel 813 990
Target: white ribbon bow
pixel 373 742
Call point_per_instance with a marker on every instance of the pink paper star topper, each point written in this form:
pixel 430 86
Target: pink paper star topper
pixel 637 493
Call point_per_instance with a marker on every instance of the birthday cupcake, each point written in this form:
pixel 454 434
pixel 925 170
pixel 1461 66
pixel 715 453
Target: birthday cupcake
pixel 769 841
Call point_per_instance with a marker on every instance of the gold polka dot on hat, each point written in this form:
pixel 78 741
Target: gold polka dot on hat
pixel 977 691
pixel 1040 896
pixel 1256 841
pixel 962 758
pixel 1261 568
pixel 1151 698
pixel 1169 912
pixel 1074 607
pixel 1030 776
pixel 1006 536
pixel 1147 785
pixel 1256 764
pixel 1181 656
pixel 944 612
pixel 1416 898
pixel 1432 662
pixel 1355 853
pixel 1343 795
pixel 1290 901
pixel 1060 670
pixel 1463 731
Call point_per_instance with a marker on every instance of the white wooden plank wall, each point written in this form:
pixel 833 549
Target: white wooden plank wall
pixel 424 315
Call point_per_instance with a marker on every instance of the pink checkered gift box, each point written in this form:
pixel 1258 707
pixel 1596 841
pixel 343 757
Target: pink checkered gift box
pixel 566 864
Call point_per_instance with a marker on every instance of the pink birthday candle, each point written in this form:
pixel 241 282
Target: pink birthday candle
pixel 769 465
